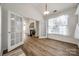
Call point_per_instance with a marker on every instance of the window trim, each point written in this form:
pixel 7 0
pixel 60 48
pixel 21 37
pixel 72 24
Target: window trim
pixel 62 25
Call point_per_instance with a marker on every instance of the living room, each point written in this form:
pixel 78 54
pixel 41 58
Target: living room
pixel 49 28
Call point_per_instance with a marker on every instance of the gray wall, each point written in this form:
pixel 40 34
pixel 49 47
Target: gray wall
pixel 4 29
pixel 72 21
pixel 0 30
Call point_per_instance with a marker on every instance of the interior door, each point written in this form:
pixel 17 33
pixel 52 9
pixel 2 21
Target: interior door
pixel 15 29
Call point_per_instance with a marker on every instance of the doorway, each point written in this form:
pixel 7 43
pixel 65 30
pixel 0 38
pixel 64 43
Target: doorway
pixel 37 28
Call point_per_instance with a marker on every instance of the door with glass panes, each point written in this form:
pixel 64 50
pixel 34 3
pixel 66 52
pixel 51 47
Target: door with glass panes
pixel 15 30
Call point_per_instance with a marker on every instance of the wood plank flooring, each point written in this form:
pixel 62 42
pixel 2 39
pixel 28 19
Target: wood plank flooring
pixel 49 47
pixel 15 52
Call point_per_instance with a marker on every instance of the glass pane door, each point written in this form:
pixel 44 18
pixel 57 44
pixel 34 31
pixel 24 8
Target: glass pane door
pixel 12 29
pixel 18 29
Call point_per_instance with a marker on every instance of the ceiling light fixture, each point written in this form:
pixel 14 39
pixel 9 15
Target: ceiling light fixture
pixel 46 12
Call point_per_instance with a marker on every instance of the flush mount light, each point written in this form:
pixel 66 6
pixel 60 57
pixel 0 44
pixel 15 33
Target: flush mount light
pixel 46 12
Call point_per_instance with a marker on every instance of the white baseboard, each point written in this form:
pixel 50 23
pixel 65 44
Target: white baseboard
pixel 78 45
pixel 77 42
pixel 42 37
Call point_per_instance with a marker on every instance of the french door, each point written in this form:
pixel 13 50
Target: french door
pixel 15 30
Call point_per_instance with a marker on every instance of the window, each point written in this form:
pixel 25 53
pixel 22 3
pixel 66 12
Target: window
pixel 58 25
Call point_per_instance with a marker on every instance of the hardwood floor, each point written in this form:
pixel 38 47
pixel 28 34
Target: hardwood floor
pixel 15 52
pixel 49 47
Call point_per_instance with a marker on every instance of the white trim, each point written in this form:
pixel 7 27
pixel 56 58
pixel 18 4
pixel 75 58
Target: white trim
pixel 42 37
pixel 47 28
pixel 15 46
pixel 1 53
pixel 77 42
pixel 77 11
pixel 78 45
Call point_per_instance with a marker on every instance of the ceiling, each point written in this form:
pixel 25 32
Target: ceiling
pixel 53 6
pixel 50 6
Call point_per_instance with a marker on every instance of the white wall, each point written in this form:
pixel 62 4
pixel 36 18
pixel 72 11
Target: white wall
pixel 27 25
pixel 28 21
pixel 77 13
pixel 72 21
pixel 42 29
pixel 29 12
pixel 37 28
pixel 0 30
pixel 23 9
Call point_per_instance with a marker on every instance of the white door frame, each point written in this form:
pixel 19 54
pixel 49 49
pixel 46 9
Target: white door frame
pixel 9 34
